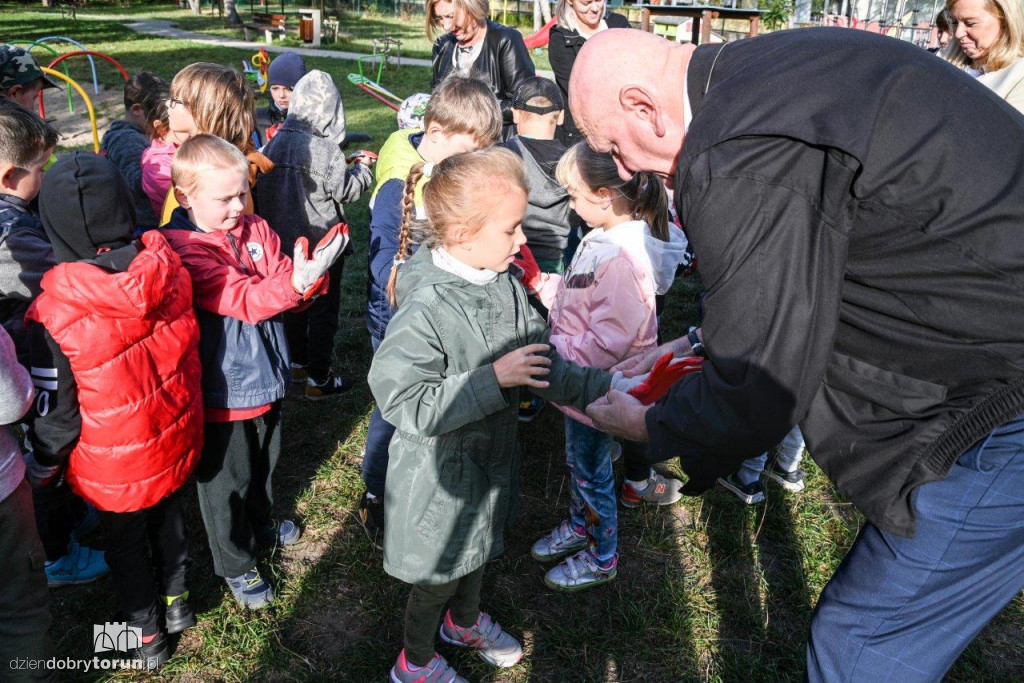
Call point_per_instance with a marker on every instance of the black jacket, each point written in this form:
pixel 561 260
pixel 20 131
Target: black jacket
pixel 563 46
pixel 856 207
pixel 503 64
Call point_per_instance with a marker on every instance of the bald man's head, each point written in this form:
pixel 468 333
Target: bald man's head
pixel 626 96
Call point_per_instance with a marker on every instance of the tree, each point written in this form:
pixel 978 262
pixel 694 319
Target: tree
pixel 231 11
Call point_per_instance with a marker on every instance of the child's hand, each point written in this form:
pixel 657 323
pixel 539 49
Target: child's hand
pixel 518 368
pixel 308 274
pixel 362 156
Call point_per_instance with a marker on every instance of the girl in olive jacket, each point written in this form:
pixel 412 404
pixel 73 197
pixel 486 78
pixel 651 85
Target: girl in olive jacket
pixel 447 375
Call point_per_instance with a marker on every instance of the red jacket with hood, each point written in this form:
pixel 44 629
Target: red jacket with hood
pixel 132 342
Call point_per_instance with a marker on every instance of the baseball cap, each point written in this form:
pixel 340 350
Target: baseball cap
pixel 538 87
pixel 18 67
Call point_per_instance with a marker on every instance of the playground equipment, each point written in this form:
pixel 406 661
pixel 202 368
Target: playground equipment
pixel 256 69
pixel 83 48
pixel 375 90
pixel 540 38
pixel 88 103
pixel 90 54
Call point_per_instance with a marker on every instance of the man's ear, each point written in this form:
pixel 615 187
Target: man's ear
pixel 182 198
pixel 640 103
pixel 8 176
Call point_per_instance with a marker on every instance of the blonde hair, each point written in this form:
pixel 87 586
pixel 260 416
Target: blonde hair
pixel 220 100
pixel 467 106
pixel 645 192
pixel 1008 46
pixel 205 152
pixel 455 194
pixel 477 10
pixel 566 15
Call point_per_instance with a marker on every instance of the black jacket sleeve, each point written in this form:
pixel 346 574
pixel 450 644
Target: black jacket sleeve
pixel 515 66
pixel 56 420
pixel 773 261
pixel 562 57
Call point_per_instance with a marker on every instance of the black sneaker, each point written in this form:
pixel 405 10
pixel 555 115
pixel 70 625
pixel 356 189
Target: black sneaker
pixel 178 614
pixel 155 653
pixel 371 514
pixel 791 481
pixel 751 494
pixel 334 385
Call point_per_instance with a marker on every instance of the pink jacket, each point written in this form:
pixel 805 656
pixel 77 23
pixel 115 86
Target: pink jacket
pixel 156 172
pixel 602 311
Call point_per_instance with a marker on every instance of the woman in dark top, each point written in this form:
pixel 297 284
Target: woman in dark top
pixel 577 21
pixel 474 46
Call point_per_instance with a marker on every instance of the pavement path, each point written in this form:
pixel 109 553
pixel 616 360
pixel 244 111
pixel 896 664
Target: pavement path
pixel 166 29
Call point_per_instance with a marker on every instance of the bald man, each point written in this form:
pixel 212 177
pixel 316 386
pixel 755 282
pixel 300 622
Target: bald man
pixel 857 207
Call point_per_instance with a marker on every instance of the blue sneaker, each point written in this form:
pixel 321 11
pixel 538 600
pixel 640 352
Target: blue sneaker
pixel 81 565
pixel 279 532
pixel 250 590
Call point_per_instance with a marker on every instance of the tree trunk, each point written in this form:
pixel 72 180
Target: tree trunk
pixel 194 5
pixel 231 14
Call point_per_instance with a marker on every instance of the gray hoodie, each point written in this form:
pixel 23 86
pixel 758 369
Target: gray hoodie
pixel 304 193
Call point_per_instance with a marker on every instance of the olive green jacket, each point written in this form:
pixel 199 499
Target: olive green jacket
pixel 453 473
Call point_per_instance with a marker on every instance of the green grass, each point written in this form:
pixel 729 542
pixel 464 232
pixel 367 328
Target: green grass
pixel 708 590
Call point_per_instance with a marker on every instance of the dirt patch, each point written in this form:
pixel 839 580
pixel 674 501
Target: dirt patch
pixel 74 126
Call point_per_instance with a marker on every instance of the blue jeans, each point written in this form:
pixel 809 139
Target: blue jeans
pixel 788 456
pixel 592 505
pixel 903 609
pixel 378 440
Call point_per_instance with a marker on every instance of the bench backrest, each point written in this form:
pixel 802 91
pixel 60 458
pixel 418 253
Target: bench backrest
pixel 270 19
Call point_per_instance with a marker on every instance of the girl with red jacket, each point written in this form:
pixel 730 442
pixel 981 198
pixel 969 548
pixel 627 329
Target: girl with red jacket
pixel 115 360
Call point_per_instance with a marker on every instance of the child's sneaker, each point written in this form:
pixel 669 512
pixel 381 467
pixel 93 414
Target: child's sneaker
pixel 660 490
pixel 791 481
pixel 371 514
pixel 529 407
pixel 279 532
pixel 494 645
pixel 178 614
pixel 561 541
pixel 751 494
pixel 299 373
pixel 437 671
pixel 155 652
pixel 250 590
pixel 81 565
pixel 580 571
pixel 334 385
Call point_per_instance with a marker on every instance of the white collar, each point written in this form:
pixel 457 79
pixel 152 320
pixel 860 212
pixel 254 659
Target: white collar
pixel 448 263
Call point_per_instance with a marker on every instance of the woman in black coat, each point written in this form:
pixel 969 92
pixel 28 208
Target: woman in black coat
pixel 577 21
pixel 475 46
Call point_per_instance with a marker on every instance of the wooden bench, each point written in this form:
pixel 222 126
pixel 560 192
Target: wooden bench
pixel 269 24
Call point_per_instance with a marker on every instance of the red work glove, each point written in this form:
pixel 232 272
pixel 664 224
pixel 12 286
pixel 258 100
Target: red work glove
pixel 527 271
pixel 663 375
pixel 310 274
pixel 272 131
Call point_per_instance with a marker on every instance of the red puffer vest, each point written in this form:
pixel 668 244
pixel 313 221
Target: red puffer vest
pixel 133 343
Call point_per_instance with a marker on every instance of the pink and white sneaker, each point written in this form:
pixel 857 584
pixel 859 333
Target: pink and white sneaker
pixel 436 671
pixel 486 636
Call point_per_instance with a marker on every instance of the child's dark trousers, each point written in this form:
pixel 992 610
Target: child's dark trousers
pixel 425 608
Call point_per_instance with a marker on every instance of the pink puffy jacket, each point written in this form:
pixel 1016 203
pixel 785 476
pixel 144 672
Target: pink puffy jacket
pixel 156 173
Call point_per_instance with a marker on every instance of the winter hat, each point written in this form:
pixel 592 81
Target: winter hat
pixel 85 207
pixel 286 70
pixel 410 114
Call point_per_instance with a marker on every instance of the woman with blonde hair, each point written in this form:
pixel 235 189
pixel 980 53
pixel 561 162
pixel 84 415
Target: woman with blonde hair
pixel 989 44
pixel 578 20
pixel 471 45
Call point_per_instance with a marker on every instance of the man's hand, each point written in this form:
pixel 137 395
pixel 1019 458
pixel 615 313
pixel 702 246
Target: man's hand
pixel 642 363
pixel 620 415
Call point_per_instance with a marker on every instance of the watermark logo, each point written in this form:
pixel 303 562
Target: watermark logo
pixel 116 635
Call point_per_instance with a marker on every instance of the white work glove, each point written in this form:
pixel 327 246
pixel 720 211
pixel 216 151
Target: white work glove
pixel 622 383
pixel 308 273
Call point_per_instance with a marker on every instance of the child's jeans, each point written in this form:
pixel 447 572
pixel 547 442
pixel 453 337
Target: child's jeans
pixel 24 599
pixel 787 456
pixel 311 331
pixel 234 484
pixel 147 551
pixel 425 607
pixel 588 453
pixel 378 440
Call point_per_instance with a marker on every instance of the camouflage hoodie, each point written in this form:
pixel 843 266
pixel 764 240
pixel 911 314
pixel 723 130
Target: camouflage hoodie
pixel 310 181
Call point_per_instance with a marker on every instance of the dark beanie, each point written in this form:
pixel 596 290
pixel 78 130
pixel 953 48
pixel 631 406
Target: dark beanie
pixel 85 207
pixel 286 70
